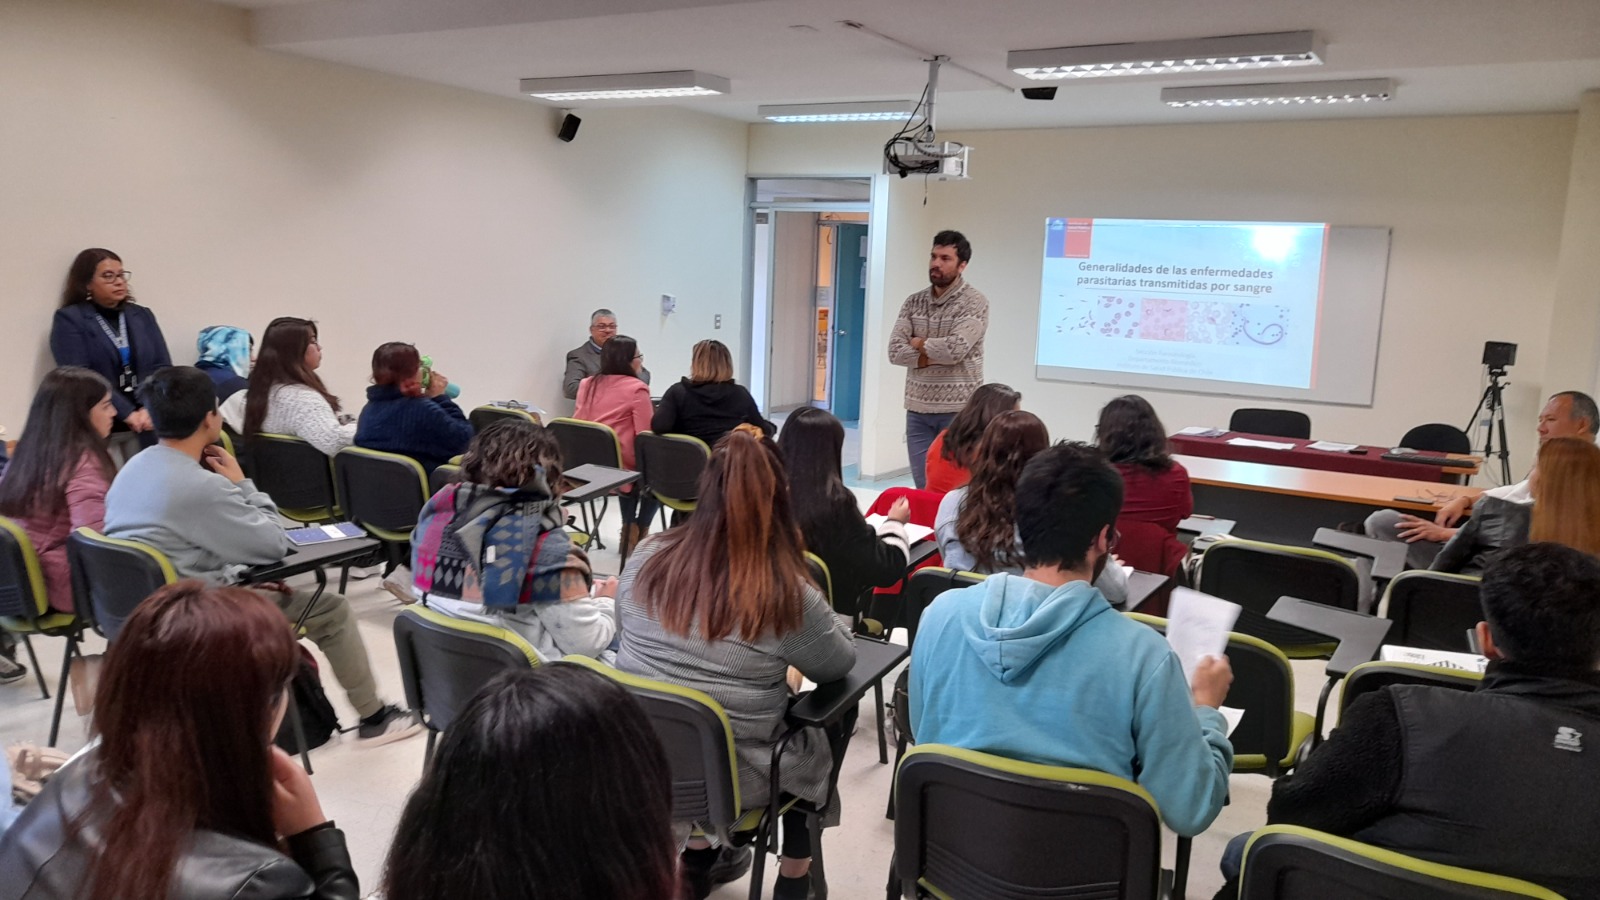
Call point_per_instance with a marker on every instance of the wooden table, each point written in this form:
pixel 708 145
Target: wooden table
pixel 1303 456
pixel 1288 505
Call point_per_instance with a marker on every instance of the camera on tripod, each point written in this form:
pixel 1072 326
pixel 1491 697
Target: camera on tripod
pixel 1499 355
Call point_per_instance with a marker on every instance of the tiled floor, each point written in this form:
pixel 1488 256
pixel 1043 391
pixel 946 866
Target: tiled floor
pixel 364 789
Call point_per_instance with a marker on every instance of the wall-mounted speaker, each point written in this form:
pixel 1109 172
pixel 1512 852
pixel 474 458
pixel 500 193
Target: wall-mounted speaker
pixel 569 127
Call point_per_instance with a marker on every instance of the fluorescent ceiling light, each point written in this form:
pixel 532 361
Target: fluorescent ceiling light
pixel 872 111
pixel 1326 92
pixel 637 86
pixel 1239 51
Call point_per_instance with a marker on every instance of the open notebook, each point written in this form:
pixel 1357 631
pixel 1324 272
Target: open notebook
pixel 914 533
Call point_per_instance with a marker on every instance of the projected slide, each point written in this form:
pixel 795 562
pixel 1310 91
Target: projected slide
pixel 1219 301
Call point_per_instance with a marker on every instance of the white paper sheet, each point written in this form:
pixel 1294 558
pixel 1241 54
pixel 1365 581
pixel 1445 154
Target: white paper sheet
pixel 1232 715
pixel 1201 431
pixel 914 532
pixel 1333 446
pixel 1198 626
pixel 1265 445
pixel 1444 659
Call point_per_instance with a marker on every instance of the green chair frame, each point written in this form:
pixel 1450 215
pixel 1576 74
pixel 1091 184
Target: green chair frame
pixel 444 661
pixel 697 739
pixel 25 610
pixel 1432 610
pixel 974 826
pixel 670 469
pixel 375 489
pixel 1372 676
pixel 297 476
pixel 1287 862
pixel 588 443
pixel 1254 574
pixel 482 417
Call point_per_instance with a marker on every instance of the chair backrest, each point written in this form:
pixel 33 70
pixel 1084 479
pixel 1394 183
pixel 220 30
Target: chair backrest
pixel 823 578
pixel 975 825
pixel 1286 862
pixel 1263 686
pixel 382 492
pixel 1372 676
pixel 22 587
pixel 1433 610
pixel 110 577
pixel 234 443
pixel 923 587
pixel 1438 437
pixel 482 417
pixel 1276 422
pixel 445 661
pixel 295 475
pixel 670 464
pixel 1254 574
pixel 585 443
pixel 443 475
pixel 697 739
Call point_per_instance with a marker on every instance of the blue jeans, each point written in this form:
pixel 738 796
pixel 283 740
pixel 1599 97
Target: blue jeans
pixel 1233 856
pixel 921 429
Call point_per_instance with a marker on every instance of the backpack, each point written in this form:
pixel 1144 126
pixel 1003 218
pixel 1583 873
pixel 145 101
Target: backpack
pixel 317 717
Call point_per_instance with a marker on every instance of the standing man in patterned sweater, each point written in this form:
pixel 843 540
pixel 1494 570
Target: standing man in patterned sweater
pixel 939 337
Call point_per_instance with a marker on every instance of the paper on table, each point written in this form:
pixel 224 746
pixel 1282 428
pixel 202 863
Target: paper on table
pixel 1198 626
pixel 1231 715
pixel 1265 445
pixel 1333 446
pixel 1201 431
pixel 914 532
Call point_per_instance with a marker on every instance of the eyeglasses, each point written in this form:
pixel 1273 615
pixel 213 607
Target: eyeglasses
pixel 114 277
pixel 638 356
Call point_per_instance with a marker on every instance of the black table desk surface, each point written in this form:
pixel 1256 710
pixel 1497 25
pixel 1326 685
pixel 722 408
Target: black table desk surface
pixel 1388 557
pixel 830 701
pixel 1141 585
pixel 596 481
pixel 310 558
pixel 1204 525
pixel 1360 636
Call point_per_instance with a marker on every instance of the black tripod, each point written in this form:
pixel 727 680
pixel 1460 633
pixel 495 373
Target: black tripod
pixel 1492 399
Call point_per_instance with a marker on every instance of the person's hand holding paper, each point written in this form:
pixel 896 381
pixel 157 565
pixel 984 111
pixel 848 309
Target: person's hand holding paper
pixel 1197 629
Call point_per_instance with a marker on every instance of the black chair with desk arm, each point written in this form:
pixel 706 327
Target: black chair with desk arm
pixel 1254 574
pixel 296 475
pixel 1287 862
pixel 974 826
pixel 697 740
pixel 1372 676
pixel 445 474
pixel 482 417
pixel 383 493
pixel 1273 422
pixel 444 661
pixel 1433 610
pixel 25 610
pixel 670 466
pixel 588 443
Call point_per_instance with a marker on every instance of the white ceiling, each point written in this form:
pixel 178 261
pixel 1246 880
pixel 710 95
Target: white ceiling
pixel 1448 56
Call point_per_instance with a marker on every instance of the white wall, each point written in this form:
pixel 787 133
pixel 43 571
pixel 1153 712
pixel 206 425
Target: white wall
pixel 241 184
pixel 1476 205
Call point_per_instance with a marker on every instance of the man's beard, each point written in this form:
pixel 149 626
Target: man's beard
pixel 1100 566
pixel 936 281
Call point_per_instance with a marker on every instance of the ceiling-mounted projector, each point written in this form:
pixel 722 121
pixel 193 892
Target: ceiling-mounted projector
pixel 947 162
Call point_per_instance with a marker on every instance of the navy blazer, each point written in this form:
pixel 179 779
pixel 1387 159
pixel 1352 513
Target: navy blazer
pixel 77 340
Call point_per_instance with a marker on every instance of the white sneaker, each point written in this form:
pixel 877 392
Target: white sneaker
pixel 362 573
pixel 11 670
pixel 399 584
pixel 396 724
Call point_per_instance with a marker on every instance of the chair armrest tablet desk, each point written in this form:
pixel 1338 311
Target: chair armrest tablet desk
pixel 1287 505
pixel 590 482
pixel 314 558
pixel 1360 637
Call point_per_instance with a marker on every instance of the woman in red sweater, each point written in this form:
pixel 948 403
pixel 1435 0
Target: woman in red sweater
pixel 1155 493
pixel 618 398
pixel 951 453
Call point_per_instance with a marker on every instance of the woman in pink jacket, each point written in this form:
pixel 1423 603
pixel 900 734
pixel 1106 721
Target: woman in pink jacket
pixel 618 398
pixel 59 475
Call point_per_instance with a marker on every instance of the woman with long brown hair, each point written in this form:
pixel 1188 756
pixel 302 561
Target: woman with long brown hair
pixel 977 524
pixel 185 797
pixel 708 403
pixel 1156 495
pixel 1566 495
pixel 950 455
pixel 724 604
pixel 286 396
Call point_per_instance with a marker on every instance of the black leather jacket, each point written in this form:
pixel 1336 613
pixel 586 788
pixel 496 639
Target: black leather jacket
pixel 1495 525
pixel 40 859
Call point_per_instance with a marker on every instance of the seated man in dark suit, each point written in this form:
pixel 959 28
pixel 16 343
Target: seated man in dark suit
pixel 584 359
pixel 1499 779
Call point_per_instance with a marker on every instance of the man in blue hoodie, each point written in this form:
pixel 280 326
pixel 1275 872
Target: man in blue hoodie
pixel 1039 667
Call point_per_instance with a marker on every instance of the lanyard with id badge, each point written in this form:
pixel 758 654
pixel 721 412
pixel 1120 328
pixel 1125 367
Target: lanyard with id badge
pixel 126 384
